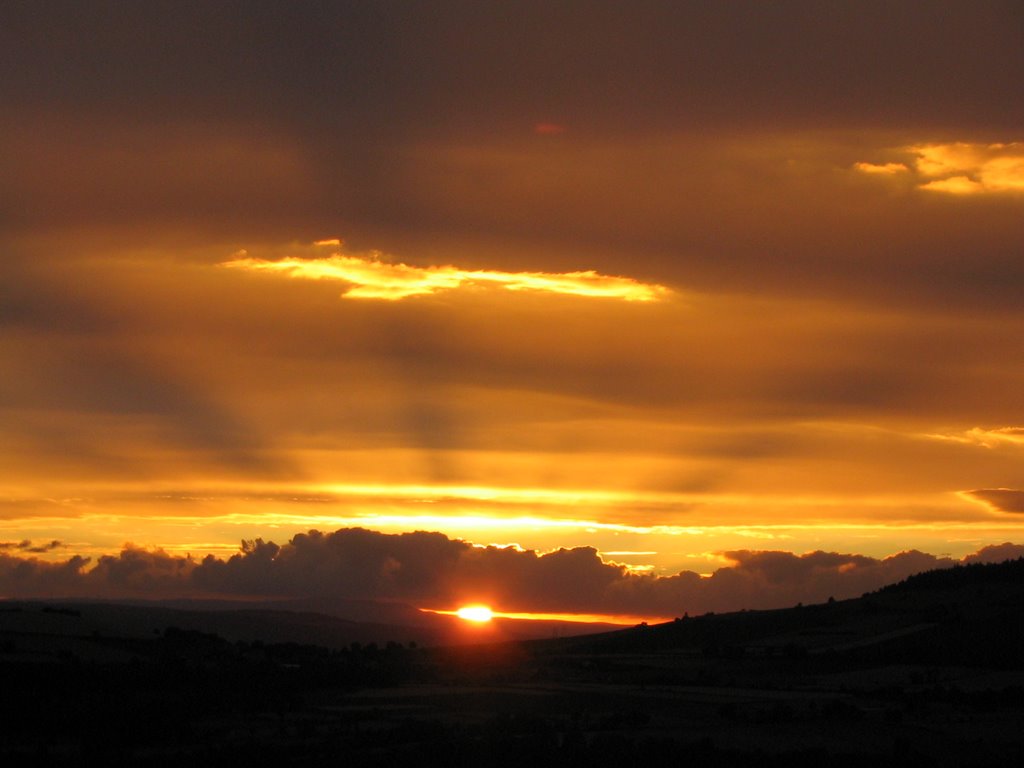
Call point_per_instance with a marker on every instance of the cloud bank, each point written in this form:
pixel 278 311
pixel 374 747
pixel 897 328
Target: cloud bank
pixel 430 570
pixel 1000 499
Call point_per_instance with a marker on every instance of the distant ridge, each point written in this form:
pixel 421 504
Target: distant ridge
pixel 969 615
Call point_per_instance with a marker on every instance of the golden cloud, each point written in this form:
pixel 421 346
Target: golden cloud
pixel 961 168
pixel 987 438
pixel 372 278
pixel 955 185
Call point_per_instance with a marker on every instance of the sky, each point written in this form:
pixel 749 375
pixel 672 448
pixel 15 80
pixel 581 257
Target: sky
pixel 627 308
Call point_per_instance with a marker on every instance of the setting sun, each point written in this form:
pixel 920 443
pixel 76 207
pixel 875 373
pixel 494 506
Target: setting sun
pixel 476 613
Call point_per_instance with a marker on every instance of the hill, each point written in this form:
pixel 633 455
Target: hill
pixel 926 672
pixel 969 615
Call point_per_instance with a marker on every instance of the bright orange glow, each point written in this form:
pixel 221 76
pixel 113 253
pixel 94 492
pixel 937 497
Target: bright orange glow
pixel 372 278
pixel 626 620
pixel 479 614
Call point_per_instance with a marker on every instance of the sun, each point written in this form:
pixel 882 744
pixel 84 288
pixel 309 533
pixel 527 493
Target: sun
pixel 476 613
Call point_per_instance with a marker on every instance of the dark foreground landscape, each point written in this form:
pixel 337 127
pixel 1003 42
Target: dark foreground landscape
pixel 926 672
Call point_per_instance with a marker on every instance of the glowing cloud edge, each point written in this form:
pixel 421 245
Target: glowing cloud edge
pixel 959 168
pixel 371 278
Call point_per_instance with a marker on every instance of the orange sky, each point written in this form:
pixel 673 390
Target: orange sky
pixel 667 281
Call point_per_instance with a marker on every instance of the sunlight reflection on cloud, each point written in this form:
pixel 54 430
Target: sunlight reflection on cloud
pixel 987 438
pixel 881 168
pixel 371 278
pixel 960 168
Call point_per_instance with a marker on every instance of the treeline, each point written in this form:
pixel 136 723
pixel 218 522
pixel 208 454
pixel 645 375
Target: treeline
pixel 972 574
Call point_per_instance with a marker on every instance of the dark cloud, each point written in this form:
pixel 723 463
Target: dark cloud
pixel 996 553
pixel 431 570
pixel 140 572
pixel 31 577
pixel 26 545
pixel 45 547
pixel 394 66
pixel 1001 499
pixel 33 301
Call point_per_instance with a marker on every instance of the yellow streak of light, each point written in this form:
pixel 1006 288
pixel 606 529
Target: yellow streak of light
pixel 630 552
pixel 987 438
pixel 579 618
pixel 575 497
pixel 497 494
pixel 367 498
pixel 375 279
pixel 484 522
pixel 886 169
pixel 454 522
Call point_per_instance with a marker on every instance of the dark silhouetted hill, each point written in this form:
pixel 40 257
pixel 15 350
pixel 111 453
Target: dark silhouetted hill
pixel 969 615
